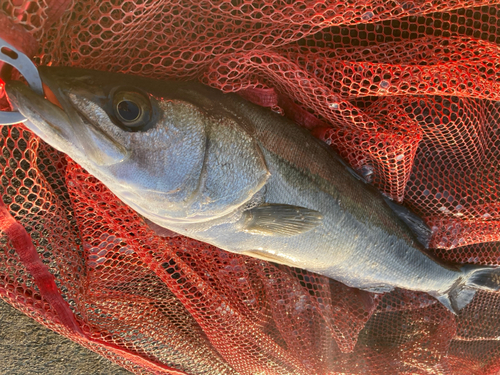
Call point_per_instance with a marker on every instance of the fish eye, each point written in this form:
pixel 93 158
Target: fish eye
pixel 132 110
pixel 128 111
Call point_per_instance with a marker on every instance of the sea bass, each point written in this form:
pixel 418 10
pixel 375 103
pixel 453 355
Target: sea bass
pixel 213 167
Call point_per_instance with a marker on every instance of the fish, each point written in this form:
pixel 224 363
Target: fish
pixel 216 168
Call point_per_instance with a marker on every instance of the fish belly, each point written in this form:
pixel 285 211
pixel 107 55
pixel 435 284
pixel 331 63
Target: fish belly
pixel 355 252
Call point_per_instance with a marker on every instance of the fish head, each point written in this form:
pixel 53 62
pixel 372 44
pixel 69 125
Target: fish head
pixel 132 133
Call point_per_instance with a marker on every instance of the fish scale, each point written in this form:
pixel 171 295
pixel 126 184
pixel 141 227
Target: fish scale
pixel 219 169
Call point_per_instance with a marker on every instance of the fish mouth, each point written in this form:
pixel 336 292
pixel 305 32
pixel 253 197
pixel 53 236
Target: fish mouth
pixel 58 122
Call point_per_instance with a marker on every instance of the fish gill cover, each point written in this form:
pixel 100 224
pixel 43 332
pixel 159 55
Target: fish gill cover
pixel 406 91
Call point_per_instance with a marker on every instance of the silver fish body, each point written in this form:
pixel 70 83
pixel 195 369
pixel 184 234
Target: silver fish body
pixel 218 169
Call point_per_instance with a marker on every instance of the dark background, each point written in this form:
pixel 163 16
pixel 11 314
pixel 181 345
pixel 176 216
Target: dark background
pixel 27 347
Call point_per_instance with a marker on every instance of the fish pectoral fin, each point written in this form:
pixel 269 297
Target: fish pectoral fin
pixel 272 219
pixel 415 223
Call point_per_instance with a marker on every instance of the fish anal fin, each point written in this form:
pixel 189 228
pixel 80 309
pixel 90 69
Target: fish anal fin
pixel 414 222
pixel 378 289
pixel 271 219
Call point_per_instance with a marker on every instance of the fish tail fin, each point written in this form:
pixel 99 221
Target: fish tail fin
pixel 482 277
pixel 474 278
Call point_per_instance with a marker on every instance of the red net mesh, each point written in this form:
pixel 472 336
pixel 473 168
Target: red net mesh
pixel 407 92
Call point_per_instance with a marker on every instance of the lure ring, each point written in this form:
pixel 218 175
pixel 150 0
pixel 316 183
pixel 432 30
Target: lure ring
pixel 29 71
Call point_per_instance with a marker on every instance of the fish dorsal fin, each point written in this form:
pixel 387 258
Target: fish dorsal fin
pixel 272 219
pixel 414 222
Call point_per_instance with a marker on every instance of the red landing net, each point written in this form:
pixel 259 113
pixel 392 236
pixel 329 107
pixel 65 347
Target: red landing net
pixel 407 91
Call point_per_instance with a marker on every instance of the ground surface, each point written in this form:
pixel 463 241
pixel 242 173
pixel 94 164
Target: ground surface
pixel 27 347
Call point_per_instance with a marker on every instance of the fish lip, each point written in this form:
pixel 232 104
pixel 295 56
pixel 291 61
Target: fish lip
pixel 61 124
pixel 29 103
pixel 93 141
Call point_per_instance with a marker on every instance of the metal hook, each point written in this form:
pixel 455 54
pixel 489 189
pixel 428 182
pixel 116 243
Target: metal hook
pixel 25 66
